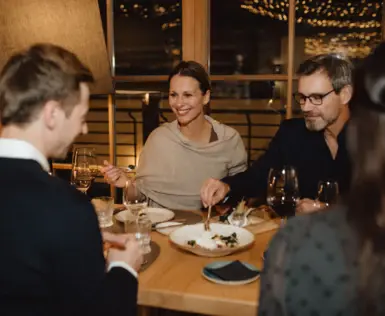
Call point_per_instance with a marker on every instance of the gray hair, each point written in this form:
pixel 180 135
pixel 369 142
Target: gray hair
pixel 337 67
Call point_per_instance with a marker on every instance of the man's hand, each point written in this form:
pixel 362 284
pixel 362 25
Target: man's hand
pixel 130 252
pixel 308 206
pixel 114 239
pixel 213 191
pixel 114 175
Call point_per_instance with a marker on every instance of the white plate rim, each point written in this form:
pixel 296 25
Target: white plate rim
pixel 170 213
pixel 160 229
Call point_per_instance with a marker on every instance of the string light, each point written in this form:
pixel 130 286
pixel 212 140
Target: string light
pixel 364 14
pixel 156 10
pixel 356 45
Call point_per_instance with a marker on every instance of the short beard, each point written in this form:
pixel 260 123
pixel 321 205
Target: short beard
pixel 317 126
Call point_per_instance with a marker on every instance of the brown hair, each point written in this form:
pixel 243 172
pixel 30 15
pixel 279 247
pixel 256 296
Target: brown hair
pixel 197 71
pixel 367 196
pixel 42 73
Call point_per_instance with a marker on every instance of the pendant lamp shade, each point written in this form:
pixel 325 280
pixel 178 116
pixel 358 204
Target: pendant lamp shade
pixel 73 24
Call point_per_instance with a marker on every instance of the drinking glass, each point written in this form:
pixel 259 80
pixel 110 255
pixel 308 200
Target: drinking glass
pixel 104 208
pixel 143 232
pixel 86 154
pixel 81 176
pixel 328 192
pixel 134 200
pixel 238 218
pixel 282 191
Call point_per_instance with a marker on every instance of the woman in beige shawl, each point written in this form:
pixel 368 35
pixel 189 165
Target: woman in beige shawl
pixel 179 156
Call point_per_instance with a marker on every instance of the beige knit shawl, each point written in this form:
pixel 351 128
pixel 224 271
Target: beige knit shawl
pixel 172 169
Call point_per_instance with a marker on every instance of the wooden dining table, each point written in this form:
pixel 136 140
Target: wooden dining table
pixel 174 281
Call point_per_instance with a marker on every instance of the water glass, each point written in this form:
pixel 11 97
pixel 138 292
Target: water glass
pixel 104 207
pixel 134 200
pixel 143 233
pixel 238 219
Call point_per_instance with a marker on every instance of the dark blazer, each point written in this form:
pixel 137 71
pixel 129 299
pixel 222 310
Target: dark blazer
pixel 51 249
pixel 307 151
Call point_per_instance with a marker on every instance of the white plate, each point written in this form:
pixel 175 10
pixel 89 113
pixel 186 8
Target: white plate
pixel 156 215
pixel 182 235
pixel 218 264
pixel 166 228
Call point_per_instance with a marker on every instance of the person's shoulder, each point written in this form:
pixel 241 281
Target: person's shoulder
pixel 231 131
pixel 163 131
pixel 224 132
pixel 60 193
pixel 320 223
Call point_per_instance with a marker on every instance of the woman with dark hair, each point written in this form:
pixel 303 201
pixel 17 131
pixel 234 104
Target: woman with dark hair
pixel 333 262
pixel 180 155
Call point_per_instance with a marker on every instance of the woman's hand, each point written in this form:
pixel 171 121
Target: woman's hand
pixel 114 175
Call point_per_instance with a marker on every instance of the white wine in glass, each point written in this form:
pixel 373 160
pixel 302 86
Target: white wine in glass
pixel 82 177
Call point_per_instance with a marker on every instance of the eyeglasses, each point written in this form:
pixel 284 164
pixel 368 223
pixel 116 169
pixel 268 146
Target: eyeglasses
pixel 315 98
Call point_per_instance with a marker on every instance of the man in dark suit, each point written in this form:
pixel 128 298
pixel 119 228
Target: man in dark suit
pixel 52 250
pixel 314 145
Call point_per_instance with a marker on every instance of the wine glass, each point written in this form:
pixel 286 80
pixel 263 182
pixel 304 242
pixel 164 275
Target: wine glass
pixel 134 200
pixel 282 191
pixel 82 176
pixel 86 155
pixel 328 192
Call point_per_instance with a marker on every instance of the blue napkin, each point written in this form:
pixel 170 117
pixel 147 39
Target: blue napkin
pixel 234 271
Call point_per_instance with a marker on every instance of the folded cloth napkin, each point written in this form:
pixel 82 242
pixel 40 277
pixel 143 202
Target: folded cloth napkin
pixel 234 271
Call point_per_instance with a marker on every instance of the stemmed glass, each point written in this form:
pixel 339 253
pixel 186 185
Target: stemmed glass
pixel 282 191
pixel 134 200
pixel 84 156
pixel 87 154
pixel 82 176
pixel 328 192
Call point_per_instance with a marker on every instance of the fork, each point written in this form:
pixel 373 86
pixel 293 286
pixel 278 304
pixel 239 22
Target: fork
pixel 207 222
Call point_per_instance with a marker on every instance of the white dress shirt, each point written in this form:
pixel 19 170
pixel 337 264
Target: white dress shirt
pixel 20 149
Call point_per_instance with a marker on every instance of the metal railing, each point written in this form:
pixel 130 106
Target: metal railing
pixel 135 117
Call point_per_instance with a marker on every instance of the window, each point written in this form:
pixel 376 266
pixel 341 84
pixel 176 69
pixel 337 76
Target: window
pixel 350 27
pixel 148 36
pixel 246 41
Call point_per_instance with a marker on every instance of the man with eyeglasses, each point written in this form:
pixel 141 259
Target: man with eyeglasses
pixel 315 145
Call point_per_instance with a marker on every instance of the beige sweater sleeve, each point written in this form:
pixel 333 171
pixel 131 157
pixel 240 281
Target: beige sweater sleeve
pixel 239 157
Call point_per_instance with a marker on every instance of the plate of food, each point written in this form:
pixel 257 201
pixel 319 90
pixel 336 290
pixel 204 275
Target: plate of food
pixel 155 214
pixel 221 240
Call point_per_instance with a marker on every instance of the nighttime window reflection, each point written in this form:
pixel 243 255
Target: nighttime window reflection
pixel 246 43
pixel 148 36
pixel 349 27
pixel 250 37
